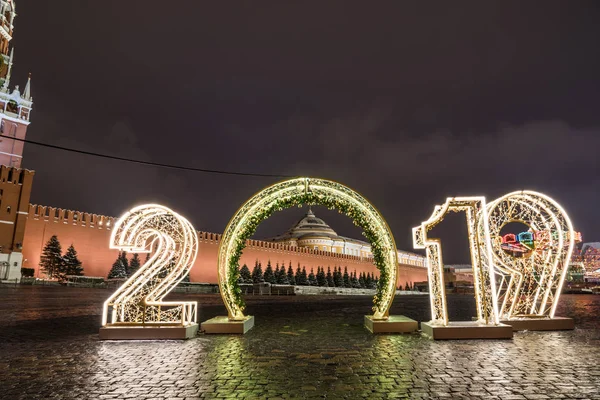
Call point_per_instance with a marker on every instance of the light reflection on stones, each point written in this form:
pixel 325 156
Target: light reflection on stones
pixel 300 347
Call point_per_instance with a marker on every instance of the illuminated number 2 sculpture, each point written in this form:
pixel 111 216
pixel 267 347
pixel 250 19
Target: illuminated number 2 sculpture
pixel 173 245
pixel 481 254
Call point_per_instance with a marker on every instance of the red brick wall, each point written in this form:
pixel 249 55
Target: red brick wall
pixel 90 236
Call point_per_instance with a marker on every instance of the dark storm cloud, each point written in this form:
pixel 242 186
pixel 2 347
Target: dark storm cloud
pixel 407 103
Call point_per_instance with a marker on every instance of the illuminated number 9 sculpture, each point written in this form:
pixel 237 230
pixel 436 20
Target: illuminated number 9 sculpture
pixel 173 245
pixel 532 265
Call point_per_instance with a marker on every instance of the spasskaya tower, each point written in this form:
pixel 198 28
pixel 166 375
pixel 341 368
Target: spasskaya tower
pixel 15 104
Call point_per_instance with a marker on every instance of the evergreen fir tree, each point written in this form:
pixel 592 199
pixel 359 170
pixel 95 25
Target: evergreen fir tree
pixel 269 274
pixel 406 287
pixel 298 276
pixel 134 265
pixel 245 276
pixel 368 281
pixel 290 275
pixel 186 278
pixel 355 283
pixel 124 261
pixel 361 280
pixel 304 277
pixel 72 265
pixel 337 277
pixel 257 273
pixel 164 271
pixel 118 270
pixel 321 279
pixel 375 282
pixel 329 278
pixel 346 278
pixel 282 277
pixel 312 279
pixel 51 260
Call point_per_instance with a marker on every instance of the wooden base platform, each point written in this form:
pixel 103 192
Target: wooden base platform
pixel 224 325
pixel 394 324
pixel 147 332
pixel 466 330
pixel 541 324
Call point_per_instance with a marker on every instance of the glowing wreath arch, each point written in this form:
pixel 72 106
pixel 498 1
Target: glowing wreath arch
pixel 295 192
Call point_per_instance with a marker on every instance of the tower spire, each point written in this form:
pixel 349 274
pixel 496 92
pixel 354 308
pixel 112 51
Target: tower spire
pixel 27 91
pixel 9 72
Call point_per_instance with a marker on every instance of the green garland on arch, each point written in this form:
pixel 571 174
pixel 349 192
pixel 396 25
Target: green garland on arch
pixel 333 203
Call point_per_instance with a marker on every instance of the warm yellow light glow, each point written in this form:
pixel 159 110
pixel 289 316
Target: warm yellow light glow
pixel 173 245
pixel 481 256
pixel 531 285
pixel 295 192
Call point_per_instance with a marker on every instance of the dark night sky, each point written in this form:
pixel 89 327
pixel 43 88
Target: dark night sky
pixel 406 103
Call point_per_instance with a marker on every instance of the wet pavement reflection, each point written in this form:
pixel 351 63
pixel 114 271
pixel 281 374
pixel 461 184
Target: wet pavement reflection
pixel 301 347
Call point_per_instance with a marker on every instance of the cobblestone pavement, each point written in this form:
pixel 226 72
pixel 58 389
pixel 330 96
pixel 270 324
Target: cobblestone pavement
pixel 301 347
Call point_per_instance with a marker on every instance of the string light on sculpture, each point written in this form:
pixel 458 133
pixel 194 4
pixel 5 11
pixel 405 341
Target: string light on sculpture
pixel 480 248
pixel 532 265
pixel 296 192
pixel 173 245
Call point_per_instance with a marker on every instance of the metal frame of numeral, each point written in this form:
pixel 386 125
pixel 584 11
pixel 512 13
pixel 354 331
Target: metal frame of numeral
pixel 481 256
pixel 173 245
pixel 530 286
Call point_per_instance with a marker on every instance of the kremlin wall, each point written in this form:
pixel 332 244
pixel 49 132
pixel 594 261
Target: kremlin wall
pixel 90 234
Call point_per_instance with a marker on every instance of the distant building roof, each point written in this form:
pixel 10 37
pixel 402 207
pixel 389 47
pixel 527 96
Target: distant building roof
pixel 310 226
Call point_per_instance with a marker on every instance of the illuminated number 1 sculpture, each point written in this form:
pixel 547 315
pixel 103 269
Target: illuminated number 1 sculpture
pixel 137 309
pixel 483 275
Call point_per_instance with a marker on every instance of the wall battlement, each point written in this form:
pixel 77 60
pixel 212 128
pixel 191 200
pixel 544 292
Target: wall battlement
pixel 70 217
pixel 89 220
pixel 14 175
pixel 282 248
pixel 90 234
pixel 95 221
